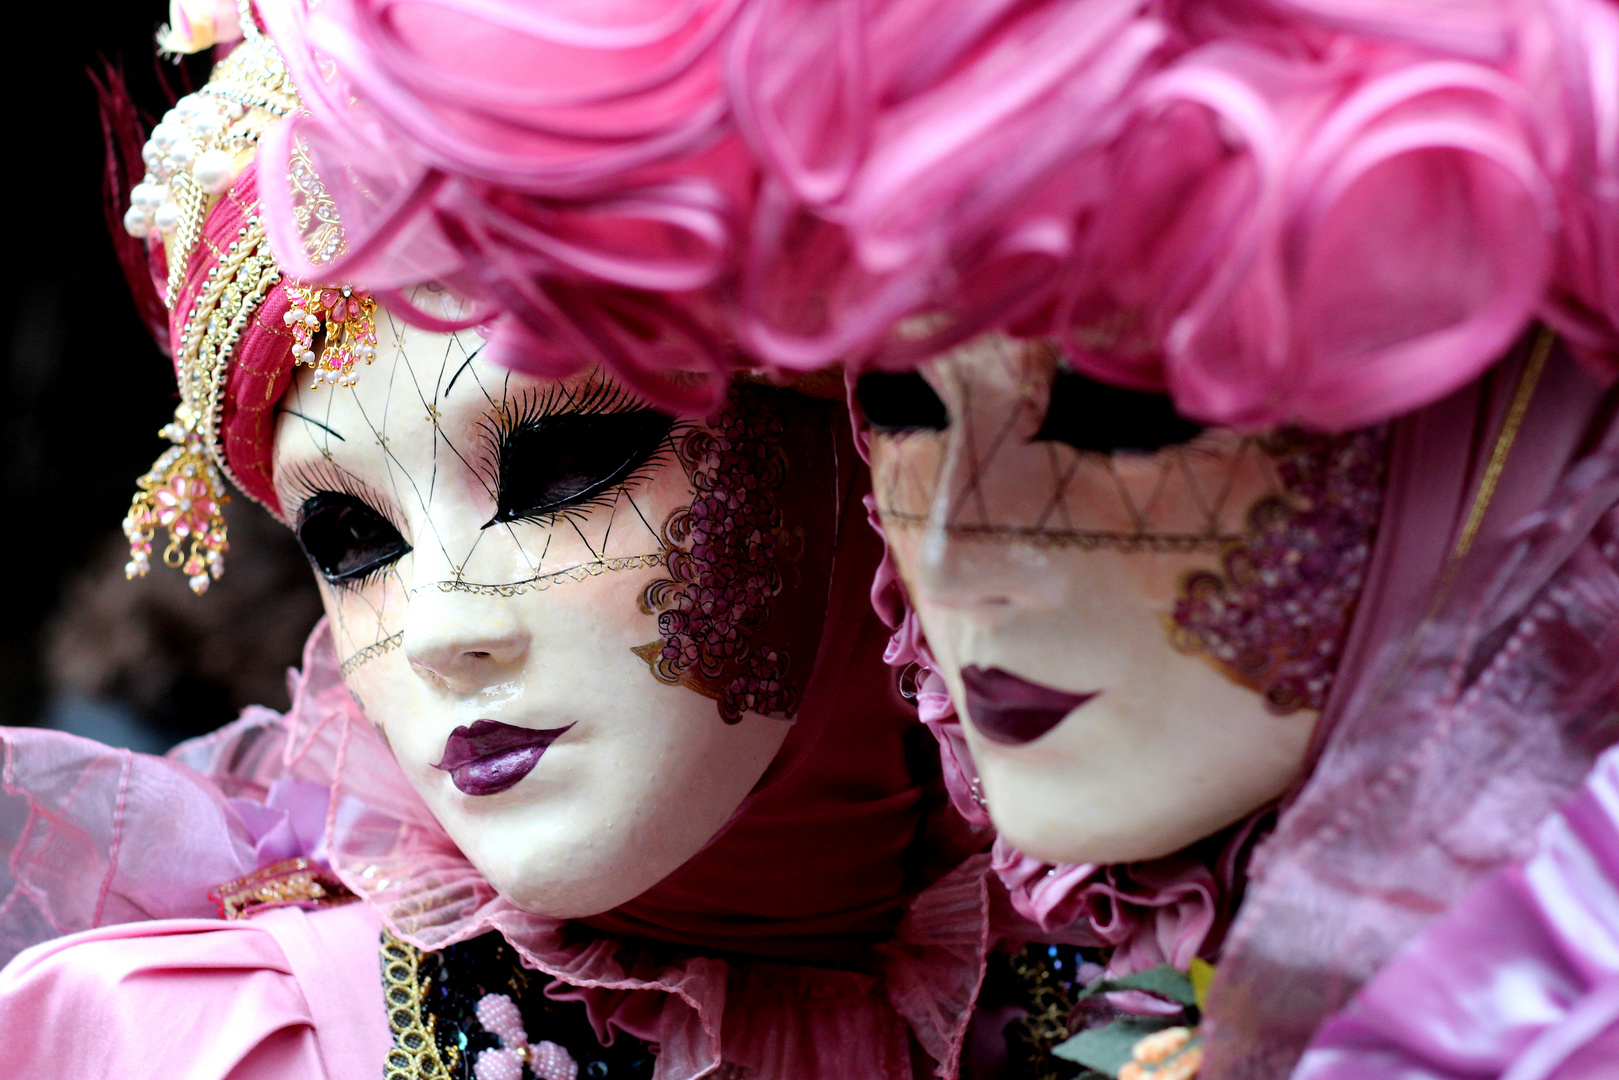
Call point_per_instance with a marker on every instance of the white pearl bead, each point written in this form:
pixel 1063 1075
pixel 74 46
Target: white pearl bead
pixel 148 196
pixel 308 357
pixel 182 154
pixel 212 171
pixel 186 107
pixel 138 222
pixel 167 217
pixel 331 376
pixel 311 321
pixel 166 135
pixel 151 155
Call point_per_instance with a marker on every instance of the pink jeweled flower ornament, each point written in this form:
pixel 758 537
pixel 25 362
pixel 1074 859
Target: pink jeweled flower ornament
pixel 184 494
pixel 347 319
pixel 185 505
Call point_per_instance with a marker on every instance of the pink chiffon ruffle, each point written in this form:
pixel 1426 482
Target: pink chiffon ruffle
pixel 93 836
pixel 1520 978
pixel 101 837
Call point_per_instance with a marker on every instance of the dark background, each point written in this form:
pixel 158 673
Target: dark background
pixel 86 389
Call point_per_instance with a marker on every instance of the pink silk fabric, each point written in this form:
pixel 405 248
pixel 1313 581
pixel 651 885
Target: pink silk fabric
pixel 1519 979
pixel 284 994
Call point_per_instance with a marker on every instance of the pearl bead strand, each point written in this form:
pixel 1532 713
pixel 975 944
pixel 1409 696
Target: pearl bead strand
pixel 185 143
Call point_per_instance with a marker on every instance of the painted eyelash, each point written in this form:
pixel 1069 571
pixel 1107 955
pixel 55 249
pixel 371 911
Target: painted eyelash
pixel 360 581
pixel 601 397
pixel 577 512
pixel 306 480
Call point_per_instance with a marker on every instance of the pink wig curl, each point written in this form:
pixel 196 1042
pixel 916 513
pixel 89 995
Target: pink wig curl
pixel 1276 221
pixel 565 167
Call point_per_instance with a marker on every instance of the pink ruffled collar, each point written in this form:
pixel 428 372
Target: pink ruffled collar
pixel 770 1019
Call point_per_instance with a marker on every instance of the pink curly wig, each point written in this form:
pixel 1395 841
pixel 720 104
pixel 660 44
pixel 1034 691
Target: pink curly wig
pixel 1325 212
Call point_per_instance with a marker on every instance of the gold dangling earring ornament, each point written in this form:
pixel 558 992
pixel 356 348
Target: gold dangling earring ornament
pixel 348 319
pixel 184 494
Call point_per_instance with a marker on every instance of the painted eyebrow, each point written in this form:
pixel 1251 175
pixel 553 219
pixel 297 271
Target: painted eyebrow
pixel 311 420
pixel 473 355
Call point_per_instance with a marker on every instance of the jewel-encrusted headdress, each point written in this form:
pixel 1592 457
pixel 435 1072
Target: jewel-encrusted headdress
pixel 198 200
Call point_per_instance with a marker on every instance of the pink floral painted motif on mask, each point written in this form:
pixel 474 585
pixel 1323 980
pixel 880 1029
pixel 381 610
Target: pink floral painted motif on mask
pixel 1274 617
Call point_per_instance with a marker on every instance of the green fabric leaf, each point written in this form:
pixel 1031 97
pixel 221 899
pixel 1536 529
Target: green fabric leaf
pixel 1162 981
pixel 1107 1049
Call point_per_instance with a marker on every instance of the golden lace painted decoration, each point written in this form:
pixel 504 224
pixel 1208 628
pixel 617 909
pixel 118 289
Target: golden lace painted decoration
pixel 415 1053
pixel 183 492
pixel 294 882
pixel 345 317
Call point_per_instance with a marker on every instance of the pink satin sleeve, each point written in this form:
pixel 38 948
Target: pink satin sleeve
pixel 284 994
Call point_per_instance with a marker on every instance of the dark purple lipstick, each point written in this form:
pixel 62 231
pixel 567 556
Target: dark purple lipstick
pixel 489 757
pixel 1010 709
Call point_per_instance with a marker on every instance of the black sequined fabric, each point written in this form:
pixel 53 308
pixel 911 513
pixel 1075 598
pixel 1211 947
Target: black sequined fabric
pixel 456 978
pixel 1031 995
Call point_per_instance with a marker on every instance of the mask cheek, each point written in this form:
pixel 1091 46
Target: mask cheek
pixel 741 607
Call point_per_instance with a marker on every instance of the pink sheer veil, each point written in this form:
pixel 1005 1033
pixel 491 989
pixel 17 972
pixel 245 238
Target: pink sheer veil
pixel 1474 695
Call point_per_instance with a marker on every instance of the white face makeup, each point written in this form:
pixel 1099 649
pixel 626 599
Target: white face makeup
pixel 1045 570
pixel 484 543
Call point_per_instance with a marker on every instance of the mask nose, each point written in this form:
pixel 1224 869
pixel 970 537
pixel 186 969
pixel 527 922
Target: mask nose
pixel 967 560
pixel 463 643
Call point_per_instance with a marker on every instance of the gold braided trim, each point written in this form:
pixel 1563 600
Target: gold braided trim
pixel 414 1054
pixel 1522 395
pixel 183 492
pixel 295 882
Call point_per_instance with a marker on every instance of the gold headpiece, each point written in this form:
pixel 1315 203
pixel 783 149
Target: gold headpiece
pixel 192 159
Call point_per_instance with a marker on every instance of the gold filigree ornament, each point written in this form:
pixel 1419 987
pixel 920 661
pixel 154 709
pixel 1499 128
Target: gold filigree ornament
pixel 182 493
pixel 192 159
pixel 296 882
pixel 345 321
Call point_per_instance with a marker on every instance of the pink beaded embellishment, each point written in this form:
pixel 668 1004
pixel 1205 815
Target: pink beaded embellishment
pixel 546 1060
pixel 347 318
pixel 1274 617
